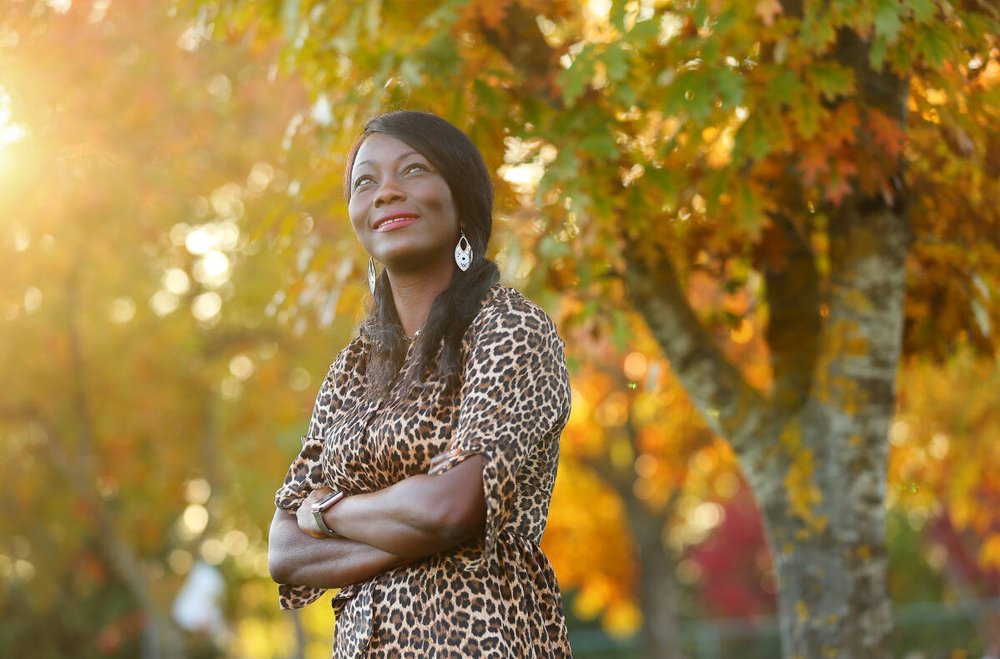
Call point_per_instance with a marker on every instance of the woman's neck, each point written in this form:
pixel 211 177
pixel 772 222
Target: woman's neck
pixel 415 292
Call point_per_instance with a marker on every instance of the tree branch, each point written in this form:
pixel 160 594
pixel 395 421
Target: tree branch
pixel 732 408
pixel 794 326
pixel 522 44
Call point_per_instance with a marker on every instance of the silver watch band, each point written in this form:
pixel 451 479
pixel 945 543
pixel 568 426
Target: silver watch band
pixel 327 502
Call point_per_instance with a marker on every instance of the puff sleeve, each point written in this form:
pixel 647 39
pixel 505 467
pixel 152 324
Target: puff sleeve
pixel 514 402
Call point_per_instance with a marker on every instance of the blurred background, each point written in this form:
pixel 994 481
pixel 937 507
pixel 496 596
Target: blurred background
pixel 177 272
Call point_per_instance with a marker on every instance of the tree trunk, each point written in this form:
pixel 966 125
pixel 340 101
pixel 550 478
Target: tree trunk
pixel 816 462
pixel 833 594
pixel 160 638
pixel 657 588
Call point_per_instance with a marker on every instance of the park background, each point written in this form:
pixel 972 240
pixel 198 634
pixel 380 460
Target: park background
pixel 749 219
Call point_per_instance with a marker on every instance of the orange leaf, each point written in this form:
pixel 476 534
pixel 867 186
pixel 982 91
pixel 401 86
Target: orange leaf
pixel 492 12
pixel 814 162
pixel 842 124
pixel 767 10
pixel 885 132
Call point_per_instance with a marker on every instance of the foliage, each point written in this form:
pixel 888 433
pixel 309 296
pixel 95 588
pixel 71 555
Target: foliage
pixel 710 136
pixel 685 118
pixel 681 128
pixel 944 468
pixel 134 439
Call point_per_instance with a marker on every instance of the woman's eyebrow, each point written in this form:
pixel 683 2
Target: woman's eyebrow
pixel 371 163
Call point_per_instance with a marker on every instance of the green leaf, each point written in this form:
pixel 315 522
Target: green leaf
pixel 575 79
pixel 600 144
pixel 934 43
pixel 730 86
pixel 444 16
pixel 831 79
pixel 923 10
pixel 808 114
pixel 615 58
pixel 441 55
pixel 551 248
pixel 748 209
pixel 290 18
pixel 818 30
pixel 621 335
pixel 978 27
pixel 411 71
pixel 876 54
pixel 754 137
pixel 618 15
pixel 486 95
pixel 625 95
pixel 887 22
pixel 700 13
pixel 565 167
pixel 643 32
pixel 785 88
pixel 697 98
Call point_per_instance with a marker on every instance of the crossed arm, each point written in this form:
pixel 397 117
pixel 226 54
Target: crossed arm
pixel 416 517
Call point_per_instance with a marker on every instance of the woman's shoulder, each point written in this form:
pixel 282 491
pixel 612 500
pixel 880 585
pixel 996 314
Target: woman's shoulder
pixel 349 358
pixel 505 309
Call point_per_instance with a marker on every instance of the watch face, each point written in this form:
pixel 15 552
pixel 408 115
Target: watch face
pixel 323 503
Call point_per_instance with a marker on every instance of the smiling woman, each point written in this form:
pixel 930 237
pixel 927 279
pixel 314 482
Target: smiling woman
pixel 395 187
pixel 423 484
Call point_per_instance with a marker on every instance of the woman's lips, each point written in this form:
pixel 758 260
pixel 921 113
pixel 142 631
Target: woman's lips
pixel 396 221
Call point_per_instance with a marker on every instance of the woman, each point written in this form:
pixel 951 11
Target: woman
pixel 423 484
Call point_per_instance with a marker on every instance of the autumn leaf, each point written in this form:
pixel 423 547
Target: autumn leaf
pixel 813 162
pixel 838 184
pixel 886 133
pixel 491 12
pixel 767 10
pixel 831 79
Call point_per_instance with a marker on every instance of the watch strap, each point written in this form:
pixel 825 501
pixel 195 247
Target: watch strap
pixel 324 504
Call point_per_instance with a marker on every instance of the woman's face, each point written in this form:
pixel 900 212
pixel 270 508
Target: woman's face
pixel 401 207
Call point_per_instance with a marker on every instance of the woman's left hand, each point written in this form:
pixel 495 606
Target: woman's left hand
pixel 304 515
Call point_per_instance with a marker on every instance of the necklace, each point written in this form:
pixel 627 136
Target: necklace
pixel 411 339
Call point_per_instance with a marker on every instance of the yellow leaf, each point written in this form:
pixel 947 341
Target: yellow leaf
pixel 989 555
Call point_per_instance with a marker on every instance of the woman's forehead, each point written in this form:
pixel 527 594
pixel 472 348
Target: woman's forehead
pixel 379 148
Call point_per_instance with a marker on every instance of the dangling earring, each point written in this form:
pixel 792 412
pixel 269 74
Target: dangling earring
pixel 372 275
pixel 463 255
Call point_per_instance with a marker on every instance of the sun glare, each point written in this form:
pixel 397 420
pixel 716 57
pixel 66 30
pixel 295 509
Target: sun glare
pixel 10 131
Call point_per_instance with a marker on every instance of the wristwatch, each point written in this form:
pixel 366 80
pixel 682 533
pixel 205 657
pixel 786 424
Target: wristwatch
pixel 327 502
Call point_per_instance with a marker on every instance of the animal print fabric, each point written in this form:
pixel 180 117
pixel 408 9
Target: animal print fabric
pixel 496 595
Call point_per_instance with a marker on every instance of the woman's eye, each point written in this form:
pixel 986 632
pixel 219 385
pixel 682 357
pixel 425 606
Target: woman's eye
pixel 361 180
pixel 414 167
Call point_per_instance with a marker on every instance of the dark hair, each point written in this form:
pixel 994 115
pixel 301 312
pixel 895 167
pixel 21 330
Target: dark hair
pixel 458 160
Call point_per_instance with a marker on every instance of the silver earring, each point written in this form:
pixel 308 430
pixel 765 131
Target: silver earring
pixel 463 255
pixel 372 275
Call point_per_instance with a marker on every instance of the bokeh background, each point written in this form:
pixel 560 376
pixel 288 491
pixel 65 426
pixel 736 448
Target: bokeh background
pixel 177 272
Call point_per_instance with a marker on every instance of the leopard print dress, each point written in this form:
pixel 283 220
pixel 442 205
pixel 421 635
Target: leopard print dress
pixel 496 595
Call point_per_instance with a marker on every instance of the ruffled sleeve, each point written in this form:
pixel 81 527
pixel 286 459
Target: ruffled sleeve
pixel 515 399
pixel 305 473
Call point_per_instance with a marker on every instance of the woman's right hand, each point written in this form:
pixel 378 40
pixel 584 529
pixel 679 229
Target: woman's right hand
pixel 304 516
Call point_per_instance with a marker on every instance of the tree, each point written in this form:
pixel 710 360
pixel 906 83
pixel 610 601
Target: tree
pixel 134 441
pixel 943 466
pixel 794 149
pixel 633 454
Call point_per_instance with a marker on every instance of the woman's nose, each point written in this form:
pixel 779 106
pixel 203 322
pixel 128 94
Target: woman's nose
pixel 388 192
